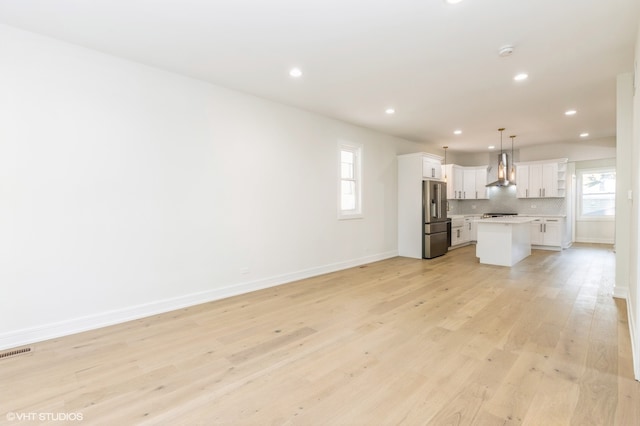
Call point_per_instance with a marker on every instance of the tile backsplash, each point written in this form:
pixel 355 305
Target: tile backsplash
pixel 503 200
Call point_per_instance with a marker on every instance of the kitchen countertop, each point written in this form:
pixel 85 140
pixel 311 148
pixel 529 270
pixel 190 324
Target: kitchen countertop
pixel 479 216
pixel 508 220
pixel 542 215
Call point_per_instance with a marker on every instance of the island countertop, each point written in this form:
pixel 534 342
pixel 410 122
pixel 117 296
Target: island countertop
pixel 507 220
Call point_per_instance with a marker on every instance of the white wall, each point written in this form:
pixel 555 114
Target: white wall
pixel 126 190
pixel 583 150
pixel 624 160
pixel 634 230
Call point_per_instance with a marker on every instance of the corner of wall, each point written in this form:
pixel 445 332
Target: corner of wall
pixel 634 341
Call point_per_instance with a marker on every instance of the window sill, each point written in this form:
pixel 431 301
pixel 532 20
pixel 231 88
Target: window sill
pixel 350 216
pixel 595 219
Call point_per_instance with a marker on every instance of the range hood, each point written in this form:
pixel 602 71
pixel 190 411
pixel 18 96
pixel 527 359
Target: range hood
pixel 503 166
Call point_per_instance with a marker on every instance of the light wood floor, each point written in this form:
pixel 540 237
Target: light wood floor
pixel 402 341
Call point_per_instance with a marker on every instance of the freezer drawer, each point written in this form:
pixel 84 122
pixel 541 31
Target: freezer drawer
pixel 435 244
pixel 435 227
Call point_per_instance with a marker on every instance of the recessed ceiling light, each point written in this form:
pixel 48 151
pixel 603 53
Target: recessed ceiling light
pixel 521 77
pixel 295 72
pixel 457 132
pixel 452 1
pixel 492 147
pixel 584 135
pixel 570 112
pixel 390 111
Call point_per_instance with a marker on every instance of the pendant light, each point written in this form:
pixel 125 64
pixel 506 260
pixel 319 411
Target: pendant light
pixel 445 162
pixel 512 175
pixel 501 164
pixel 503 167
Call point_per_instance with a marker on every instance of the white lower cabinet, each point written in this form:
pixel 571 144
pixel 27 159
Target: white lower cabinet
pixel 457 236
pixel 463 230
pixel 457 231
pixel 547 233
pixel 473 229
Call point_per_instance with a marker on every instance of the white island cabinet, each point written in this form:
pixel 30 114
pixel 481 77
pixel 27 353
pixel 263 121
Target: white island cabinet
pixel 504 241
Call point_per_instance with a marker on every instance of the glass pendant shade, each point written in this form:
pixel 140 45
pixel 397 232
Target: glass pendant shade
pixel 501 164
pixel 445 162
pixel 500 170
pixel 512 175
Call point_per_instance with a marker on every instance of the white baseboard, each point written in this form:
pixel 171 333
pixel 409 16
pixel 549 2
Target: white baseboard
pixel 550 248
pixel 634 349
pixel 621 293
pixel 32 335
pixel 595 240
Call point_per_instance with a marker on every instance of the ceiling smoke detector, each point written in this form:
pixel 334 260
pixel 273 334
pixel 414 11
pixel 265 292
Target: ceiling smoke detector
pixel 505 51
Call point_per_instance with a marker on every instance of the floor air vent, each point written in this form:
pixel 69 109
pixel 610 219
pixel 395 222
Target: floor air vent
pixel 14 352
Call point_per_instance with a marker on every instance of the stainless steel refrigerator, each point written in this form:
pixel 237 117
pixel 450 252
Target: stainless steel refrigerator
pixel 434 214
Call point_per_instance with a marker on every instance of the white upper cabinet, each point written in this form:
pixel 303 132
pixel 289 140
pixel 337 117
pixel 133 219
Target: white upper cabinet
pixel 522 181
pixel 431 168
pixel 481 183
pixel 466 183
pixel 541 179
pixel 453 175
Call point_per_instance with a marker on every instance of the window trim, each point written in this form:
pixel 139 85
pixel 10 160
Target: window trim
pixel 579 174
pixel 358 151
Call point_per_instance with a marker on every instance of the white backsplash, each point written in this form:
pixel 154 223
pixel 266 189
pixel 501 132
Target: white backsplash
pixel 503 200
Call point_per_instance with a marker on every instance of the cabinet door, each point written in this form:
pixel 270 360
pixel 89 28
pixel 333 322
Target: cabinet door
pixel 537 236
pixel 447 175
pixel 535 181
pixel 481 181
pixel 550 180
pixel 468 184
pixel 522 181
pixel 552 232
pixel 431 169
pixel 456 236
pixel 457 182
pixel 466 231
pixel 470 231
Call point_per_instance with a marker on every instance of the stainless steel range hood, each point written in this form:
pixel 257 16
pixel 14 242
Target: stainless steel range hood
pixel 503 160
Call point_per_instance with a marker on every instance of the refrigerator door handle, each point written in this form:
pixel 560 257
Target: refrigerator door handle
pixel 439 198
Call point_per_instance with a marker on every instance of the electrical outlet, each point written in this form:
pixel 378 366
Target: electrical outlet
pixel 533 206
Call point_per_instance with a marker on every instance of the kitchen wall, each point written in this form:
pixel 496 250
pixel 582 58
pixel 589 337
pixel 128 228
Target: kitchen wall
pixel 126 191
pixel 581 154
pixel 579 150
pixel 503 200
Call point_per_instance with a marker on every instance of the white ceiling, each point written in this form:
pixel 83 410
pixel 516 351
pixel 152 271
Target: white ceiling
pixel 436 64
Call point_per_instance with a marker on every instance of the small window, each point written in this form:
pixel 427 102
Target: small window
pixel 597 194
pixel 350 181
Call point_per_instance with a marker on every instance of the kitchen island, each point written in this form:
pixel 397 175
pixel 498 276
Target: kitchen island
pixel 504 241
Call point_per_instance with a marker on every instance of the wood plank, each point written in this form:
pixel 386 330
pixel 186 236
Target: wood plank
pixel 401 341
